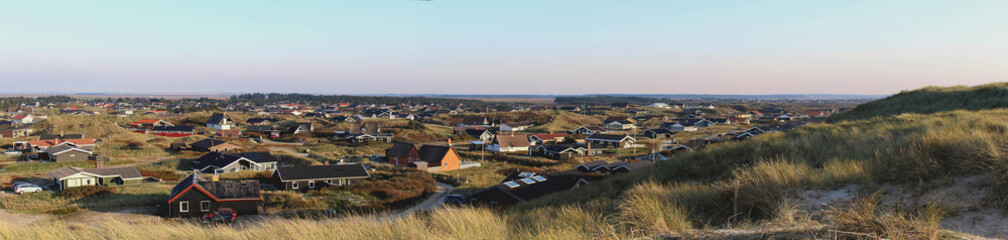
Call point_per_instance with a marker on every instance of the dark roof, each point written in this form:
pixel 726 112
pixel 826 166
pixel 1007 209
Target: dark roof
pixel 223 159
pixel 46 136
pixel 474 120
pixel 62 147
pixel 637 165
pixel 222 190
pixel 399 149
pixel 207 143
pixel 553 183
pixel 261 128
pixel 355 170
pixel 433 153
pixel 476 133
pixel 173 128
pixel 260 120
pixel 594 164
pixel 660 131
pixel 561 147
pixel 614 137
pixel 217 118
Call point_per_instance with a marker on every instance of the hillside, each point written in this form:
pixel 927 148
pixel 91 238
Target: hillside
pixel 906 176
pixel 932 100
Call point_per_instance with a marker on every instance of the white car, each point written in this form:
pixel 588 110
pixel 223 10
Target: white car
pixel 22 188
pixel 12 152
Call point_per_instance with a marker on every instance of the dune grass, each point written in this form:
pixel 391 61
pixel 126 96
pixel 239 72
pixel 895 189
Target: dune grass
pixel 932 100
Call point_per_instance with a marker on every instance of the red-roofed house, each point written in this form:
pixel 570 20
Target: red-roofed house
pixel 22 119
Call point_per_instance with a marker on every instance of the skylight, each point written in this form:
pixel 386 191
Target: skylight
pixel 526 174
pixel 511 184
pixel 539 178
pixel 527 180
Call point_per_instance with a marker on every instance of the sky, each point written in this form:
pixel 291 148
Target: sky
pixel 500 47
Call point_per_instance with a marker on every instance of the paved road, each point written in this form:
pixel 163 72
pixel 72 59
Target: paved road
pixel 433 202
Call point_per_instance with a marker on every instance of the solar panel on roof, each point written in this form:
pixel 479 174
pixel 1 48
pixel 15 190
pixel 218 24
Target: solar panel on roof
pixel 511 184
pixel 527 180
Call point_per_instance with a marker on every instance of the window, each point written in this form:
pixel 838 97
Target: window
pixel 184 206
pixel 204 206
pixel 493 203
pixel 472 201
pixel 294 185
pixel 311 184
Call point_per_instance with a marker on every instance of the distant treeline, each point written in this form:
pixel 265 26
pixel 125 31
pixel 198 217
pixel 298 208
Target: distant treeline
pixel 17 101
pixel 271 98
pixel 605 100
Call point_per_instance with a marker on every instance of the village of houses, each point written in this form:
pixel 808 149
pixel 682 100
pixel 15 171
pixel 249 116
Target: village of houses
pixel 155 158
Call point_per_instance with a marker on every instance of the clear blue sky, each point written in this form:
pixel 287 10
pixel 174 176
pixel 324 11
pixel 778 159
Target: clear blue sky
pixel 501 47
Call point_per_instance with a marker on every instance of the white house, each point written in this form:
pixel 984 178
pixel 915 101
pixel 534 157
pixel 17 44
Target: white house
pixel 23 119
pixel 220 121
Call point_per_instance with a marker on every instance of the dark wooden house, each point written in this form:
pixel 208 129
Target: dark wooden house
pixel 196 196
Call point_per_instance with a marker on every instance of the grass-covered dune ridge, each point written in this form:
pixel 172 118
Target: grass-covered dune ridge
pixel 698 189
pixel 932 100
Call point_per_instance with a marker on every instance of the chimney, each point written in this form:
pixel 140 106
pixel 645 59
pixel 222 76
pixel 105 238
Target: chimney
pixel 449 142
pixel 61 134
pixel 589 147
pixel 98 162
pixel 215 178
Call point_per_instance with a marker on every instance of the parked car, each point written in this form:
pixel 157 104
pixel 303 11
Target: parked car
pixel 257 140
pixel 22 188
pixel 12 152
pixel 222 215
pixel 33 157
pixel 454 199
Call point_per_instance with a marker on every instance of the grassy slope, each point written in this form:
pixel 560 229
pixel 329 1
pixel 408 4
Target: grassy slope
pixel 932 100
pixel 698 189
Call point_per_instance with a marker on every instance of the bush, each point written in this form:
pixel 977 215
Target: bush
pixel 87 191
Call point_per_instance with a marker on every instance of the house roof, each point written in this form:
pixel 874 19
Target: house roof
pixel 637 165
pixel 217 118
pixel 53 142
pixel 369 127
pixel 593 164
pixel 261 128
pixel 49 136
pixel 219 190
pixel 528 191
pixel 64 147
pixel 433 154
pixel 19 117
pixel 354 170
pixel 512 140
pixel 174 128
pixel 518 124
pixel 548 136
pixel 148 121
pixel 660 131
pixel 125 172
pixel 223 159
pixel 260 120
pixel 207 143
pixel 399 149
pixel 609 137
pixel 474 120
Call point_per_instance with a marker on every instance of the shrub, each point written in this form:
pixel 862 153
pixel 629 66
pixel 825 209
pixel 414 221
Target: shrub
pixel 87 191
